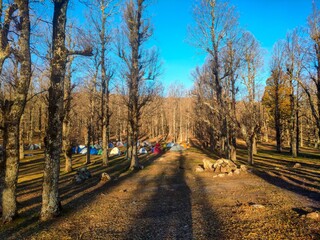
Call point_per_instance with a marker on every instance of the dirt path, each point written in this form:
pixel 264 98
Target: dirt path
pixel 169 200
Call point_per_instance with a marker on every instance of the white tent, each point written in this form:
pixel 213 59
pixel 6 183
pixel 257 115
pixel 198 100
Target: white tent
pixel 115 151
pixel 84 150
pixel 177 148
pixel 143 151
pixel 170 144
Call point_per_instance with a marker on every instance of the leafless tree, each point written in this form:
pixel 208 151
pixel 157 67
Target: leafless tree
pixel 12 107
pixel 294 59
pixel 51 205
pixel 215 32
pixel 277 78
pixel 249 122
pixel 312 67
pixel 141 68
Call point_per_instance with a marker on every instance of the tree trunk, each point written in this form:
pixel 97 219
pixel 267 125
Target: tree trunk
pixel 254 145
pixel 250 151
pixel 51 206
pixel 12 117
pixel 11 160
pixel 21 144
pixel 105 146
pixel 67 148
pixel 301 134
pixel 88 161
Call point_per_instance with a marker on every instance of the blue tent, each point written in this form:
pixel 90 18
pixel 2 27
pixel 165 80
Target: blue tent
pixel 74 150
pixel 93 151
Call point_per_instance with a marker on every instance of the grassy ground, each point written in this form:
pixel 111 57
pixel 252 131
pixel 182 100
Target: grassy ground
pixel 169 200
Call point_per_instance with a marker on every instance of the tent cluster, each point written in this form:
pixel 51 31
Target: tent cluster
pixel 82 149
pixel 115 151
pixel 32 147
pixel 175 147
pixel 115 144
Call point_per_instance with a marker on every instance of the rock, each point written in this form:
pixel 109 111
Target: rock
pixel 105 177
pixel 230 174
pixel 297 165
pixel 221 175
pixel 82 175
pixel 215 176
pixel 207 164
pixel 224 166
pixel 199 169
pixel 313 215
pixel 257 206
pixel 243 168
pixel 78 179
pixel 237 171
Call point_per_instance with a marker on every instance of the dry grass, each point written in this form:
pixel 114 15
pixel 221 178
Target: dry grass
pixel 168 200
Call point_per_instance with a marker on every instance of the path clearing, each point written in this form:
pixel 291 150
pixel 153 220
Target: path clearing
pixel 168 200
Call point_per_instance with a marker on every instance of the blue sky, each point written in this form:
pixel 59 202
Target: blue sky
pixel 268 20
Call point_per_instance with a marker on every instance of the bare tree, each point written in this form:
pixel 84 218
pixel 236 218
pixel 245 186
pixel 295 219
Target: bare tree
pixel 249 123
pixel 142 68
pixel 13 107
pixel 51 205
pixel 277 78
pixel 294 58
pixel 312 65
pixel 216 29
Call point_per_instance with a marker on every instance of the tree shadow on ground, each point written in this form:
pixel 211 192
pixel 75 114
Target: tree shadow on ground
pixel 74 197
pixel 277 169
pixel 168 212
pixel 174 211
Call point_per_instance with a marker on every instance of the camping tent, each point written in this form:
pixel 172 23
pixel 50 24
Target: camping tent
pixel 93 151
pixel 170 144
pixel 84 150
pixel 80 148
pixel 97 146
pixel 177 148
pixel 119 144
pixel 110 145
pixel 156 149
pixel 34 147
pixel 115 151
pixel 143 151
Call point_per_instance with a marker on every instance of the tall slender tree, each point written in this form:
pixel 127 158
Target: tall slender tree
pixel 249 123
pixel 51 205
pixel 312 64
pixel 215 29
pixel 141 68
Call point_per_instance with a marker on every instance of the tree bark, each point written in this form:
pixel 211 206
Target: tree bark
pixel 51 206
pixel 89 133
pixel 12 117
pixel 11 155
pixel 250 151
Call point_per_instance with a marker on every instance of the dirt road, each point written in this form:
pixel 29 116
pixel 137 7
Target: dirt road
pixel 169 200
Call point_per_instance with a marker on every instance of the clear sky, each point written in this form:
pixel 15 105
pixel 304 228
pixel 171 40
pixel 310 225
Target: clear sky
pixel 268 20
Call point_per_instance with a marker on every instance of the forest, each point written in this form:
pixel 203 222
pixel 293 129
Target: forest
pixel 94 83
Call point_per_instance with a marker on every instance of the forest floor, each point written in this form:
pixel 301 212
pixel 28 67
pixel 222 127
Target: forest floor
pixel 169 200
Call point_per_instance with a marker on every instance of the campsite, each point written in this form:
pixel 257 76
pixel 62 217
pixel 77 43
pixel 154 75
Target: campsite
pixel 168 199
pixel 142 119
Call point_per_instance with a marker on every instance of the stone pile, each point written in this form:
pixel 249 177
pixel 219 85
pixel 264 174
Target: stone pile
pixel 222 167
